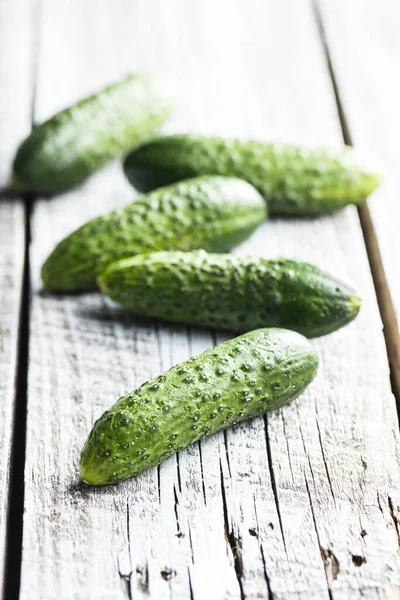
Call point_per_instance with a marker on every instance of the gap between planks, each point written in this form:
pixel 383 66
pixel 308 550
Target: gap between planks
pixel 383 295
pixel 17 466
pixel 15 496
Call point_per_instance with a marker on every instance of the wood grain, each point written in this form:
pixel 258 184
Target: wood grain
pixel 15 121
pixel 301 504
pixel 365 52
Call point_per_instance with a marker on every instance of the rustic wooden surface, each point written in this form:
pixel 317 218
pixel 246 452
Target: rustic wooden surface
pixel 16 71
pixel 364 52
pixel 302 504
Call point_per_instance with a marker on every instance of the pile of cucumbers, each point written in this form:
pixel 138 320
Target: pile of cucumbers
pixel 166 255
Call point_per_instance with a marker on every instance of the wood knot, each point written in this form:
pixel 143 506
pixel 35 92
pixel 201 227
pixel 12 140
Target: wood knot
pixel 358 560
pixel 167 573
pixel 253 532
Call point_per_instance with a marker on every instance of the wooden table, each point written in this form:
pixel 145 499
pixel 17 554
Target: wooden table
pixel 303 504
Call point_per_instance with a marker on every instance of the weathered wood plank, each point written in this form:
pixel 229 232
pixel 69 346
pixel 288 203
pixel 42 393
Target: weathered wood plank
pixel 15 110
pixel 288 498
pixel 365 51
pixel 79 350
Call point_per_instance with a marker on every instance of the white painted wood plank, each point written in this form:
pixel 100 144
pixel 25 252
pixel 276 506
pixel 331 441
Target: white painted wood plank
pixel 15 92
pixel 365 50
pixel 65 370
pixel 173 532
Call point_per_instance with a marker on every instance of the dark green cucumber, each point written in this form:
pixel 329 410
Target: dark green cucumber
pixel 74 143
pixel 232 292
pixel 214 213
pixel 242 378
pixel 294 180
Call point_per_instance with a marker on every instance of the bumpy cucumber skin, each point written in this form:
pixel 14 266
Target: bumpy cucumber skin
pixel 74 143
pixel 232 292
pixel 214 213
pixel 294 180
pixel 240 379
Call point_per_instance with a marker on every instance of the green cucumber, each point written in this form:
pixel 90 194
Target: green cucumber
pixel 214 213
pixel 294 180
pixel 240 379
pixel 231 292
pixel 81 139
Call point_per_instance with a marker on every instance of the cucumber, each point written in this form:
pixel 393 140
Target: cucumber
pixel 242 378
pixel 231 292
pixel 294 180
pixel 214 213
pixel 63 151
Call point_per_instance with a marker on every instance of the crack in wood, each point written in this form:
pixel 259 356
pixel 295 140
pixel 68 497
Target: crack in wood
pixel 234 542
pixel 273 481
pixel 159 483
pixel 305 449
pixel 311 469
pixel 176 504
pixel 287 444
pixel 190 585
pixel 125 569
pixel 202 473
pixel 225 433
pixel 322 451
pixel 379 502
pixel 270 594
pixel 178 473
pixel 190 344
pixel 328 476
pixel 125 574
pixel 331 564
pixel 162 369
pixel 394 519
pixel 190 542
pixel 267 579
